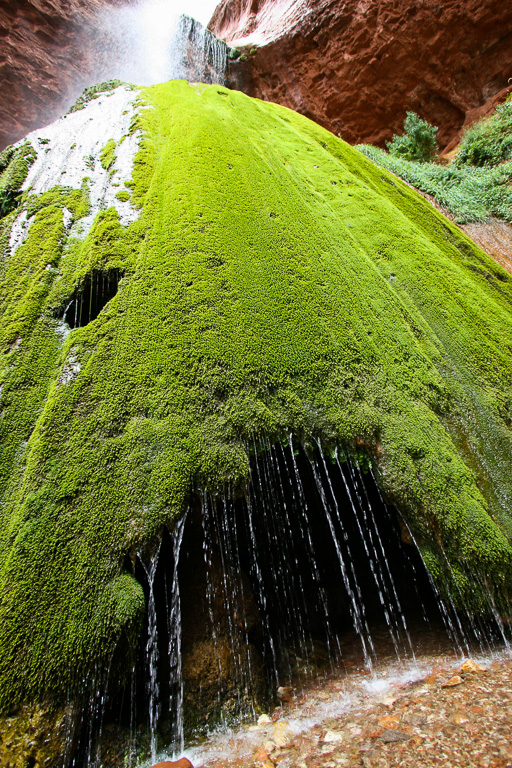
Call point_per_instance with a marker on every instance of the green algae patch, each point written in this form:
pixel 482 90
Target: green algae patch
pixel 276 282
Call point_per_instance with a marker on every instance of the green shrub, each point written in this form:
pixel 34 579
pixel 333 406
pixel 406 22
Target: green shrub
pixel 234 53
pixel 469 193
pixel 419 142
pixel 488 142
pixel 253 51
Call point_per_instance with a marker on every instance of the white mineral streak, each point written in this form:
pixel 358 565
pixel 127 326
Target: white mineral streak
pixel 273 21
pixel 19 231
pixel 71 151
pixel 68 219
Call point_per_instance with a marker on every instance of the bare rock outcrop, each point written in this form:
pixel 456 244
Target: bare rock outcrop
pixel 43 59
pixel 356 67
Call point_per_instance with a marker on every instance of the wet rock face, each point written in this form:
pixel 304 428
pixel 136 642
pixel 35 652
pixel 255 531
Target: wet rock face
pixel 36 736
pixel 42 59
pixel 357 67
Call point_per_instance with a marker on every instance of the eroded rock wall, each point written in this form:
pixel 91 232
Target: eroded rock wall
pixel 356 67
pixel 43 59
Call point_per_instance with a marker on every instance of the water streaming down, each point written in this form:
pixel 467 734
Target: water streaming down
pixel 150 42
pixel 306 569
pixel 152 652
pixel 311 558
pixel 174 630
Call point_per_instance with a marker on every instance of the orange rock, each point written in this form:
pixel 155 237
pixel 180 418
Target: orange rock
pixel 355 67
pixel 182 763
pixel 452 682
pixel 471 666
pixel 458 718
pixel 389 722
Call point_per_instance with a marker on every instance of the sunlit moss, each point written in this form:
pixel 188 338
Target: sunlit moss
pixel 277 281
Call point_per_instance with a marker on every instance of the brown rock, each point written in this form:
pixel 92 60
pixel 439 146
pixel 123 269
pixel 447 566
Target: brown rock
pixel 452 682
pixel 458 718
pixel 390 736
pixel 356 67
pixel 285 693
pixel 182 763
pixel 43 57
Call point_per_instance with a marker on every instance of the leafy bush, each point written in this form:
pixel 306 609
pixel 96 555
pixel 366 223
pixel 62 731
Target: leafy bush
pixel 488 142
pixel 469 193
pixel 419 142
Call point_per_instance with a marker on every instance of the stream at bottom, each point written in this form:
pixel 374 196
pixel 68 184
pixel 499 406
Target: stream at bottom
pixel 352 716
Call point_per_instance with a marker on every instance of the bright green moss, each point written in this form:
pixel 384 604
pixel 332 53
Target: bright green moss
pixel 123 196
pixel 108 155
pixel 14 165
pixel 277 281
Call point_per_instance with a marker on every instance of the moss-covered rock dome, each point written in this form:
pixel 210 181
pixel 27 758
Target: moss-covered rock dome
pixel 188 268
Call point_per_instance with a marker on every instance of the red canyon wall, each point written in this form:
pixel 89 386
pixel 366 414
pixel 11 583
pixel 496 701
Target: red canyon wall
pixel 356 66
pixel 42 60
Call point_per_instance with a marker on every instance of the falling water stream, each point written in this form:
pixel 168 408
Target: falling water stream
pixel 261 589
pixel 153 41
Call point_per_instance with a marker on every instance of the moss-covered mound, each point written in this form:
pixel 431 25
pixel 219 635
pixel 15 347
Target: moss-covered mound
pixel 275 282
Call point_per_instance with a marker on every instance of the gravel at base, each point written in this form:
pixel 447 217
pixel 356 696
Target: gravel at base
pixel 421 725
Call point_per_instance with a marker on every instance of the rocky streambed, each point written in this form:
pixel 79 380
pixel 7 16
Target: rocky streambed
pixel 439 708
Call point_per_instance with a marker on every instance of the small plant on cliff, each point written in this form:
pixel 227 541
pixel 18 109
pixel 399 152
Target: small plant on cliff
pixel 488 142
pixel 234 53
pixel 419 142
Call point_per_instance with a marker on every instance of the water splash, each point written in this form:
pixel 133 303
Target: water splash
pixel 151 42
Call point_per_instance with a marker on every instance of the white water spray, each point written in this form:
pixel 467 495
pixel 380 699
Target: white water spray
pixel 153 41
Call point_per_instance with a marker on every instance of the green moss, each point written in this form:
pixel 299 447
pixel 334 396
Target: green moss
pixel 277 281
pixel 94 91
pixel 108 155
pixel 123 196
pixel 14 166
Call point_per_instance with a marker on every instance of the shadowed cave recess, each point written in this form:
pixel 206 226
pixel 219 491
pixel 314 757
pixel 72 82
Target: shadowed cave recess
pixel 307 571
pixel 91 295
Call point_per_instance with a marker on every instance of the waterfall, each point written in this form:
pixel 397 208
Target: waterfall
pixel 273 585
pixel 149 43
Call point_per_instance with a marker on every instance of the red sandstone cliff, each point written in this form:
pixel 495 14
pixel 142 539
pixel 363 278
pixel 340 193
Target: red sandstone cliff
pixel 43 60
pixel 356 66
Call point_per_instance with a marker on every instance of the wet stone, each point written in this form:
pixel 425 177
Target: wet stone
pixel 389 736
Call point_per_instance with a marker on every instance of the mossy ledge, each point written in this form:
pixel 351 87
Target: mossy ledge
pixel 275 282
